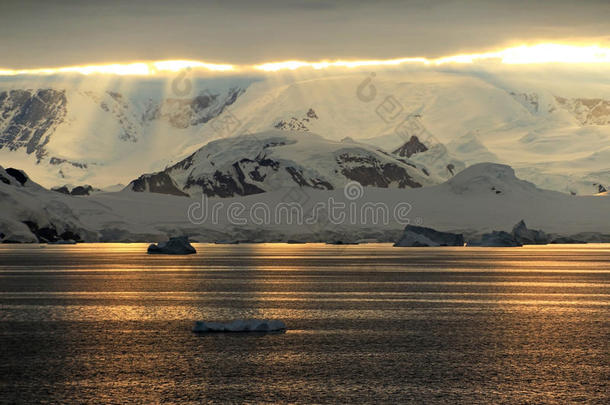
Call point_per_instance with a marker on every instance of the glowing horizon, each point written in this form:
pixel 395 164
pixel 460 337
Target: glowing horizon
pixel 544 53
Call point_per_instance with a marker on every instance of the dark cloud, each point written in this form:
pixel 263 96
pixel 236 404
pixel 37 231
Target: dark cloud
pixel 54 33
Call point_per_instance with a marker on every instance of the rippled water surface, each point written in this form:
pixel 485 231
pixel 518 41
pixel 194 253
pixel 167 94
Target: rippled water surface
pixel 100 323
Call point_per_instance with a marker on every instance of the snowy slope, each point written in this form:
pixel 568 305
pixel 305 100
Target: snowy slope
pixel 27 210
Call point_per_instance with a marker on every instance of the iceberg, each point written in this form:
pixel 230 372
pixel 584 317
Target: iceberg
pixel 174 246
pixel 496 239
pixel 419 236
pixel 244 325
pixel 527 236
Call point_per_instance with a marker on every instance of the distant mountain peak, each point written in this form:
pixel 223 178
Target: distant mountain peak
pixel 411 147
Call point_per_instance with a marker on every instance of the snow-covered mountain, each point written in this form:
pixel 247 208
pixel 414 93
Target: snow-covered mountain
pixel 479 199
pixel 31 213
pixel 271 160
pixel 73 135
pixel 555 133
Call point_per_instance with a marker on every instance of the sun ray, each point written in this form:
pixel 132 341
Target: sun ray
pixel 544 53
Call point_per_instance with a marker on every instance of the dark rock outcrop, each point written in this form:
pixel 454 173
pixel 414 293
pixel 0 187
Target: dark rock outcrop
pixel 48 234
pixel 411 147
pixel 419 236
pixel 62 189
pixel 18 175
pixel 186 112
pixel 370 171
pixel 295 123
pixel 82 190
pixel 588 111
pixel 159 182
pixel 174 246
pixel 77 191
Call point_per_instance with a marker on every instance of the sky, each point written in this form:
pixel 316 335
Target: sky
pixel 51 33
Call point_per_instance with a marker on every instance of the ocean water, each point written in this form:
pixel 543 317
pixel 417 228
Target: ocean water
pixel 107 323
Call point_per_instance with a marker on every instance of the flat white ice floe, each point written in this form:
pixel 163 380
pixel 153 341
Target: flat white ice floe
pixel 241 325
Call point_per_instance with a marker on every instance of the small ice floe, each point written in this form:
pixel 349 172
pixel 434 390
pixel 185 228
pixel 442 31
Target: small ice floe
pixel 241 325
pixel 174 246
pixel 63 242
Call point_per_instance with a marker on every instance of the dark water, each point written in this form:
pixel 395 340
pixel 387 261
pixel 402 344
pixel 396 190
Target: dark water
pixel 370 323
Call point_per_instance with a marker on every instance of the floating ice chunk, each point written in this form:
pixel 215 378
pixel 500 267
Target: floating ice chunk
pixel 419 236
pixel 174 246
pixel 496 239
pixel 241 325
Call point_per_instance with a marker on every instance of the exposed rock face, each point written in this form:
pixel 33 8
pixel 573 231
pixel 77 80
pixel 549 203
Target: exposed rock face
pixel 180 113
pixel 57 161
pixel 49 234
pixel 438 161
pixel 419 236
pixel 297 124
pixel 495 239
pixel 451 169
pixel 121 110
pixel 411 147
pixel 77 191
pixel 62 189
pixel 588 111
pixel 526 236
pixel 187 112
pixel 368 170
pixel 29 117
pixel 530 101
pixel 299 178
pixel 82 190
pixel 18 175
pixel 174 246
pixel 156 183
